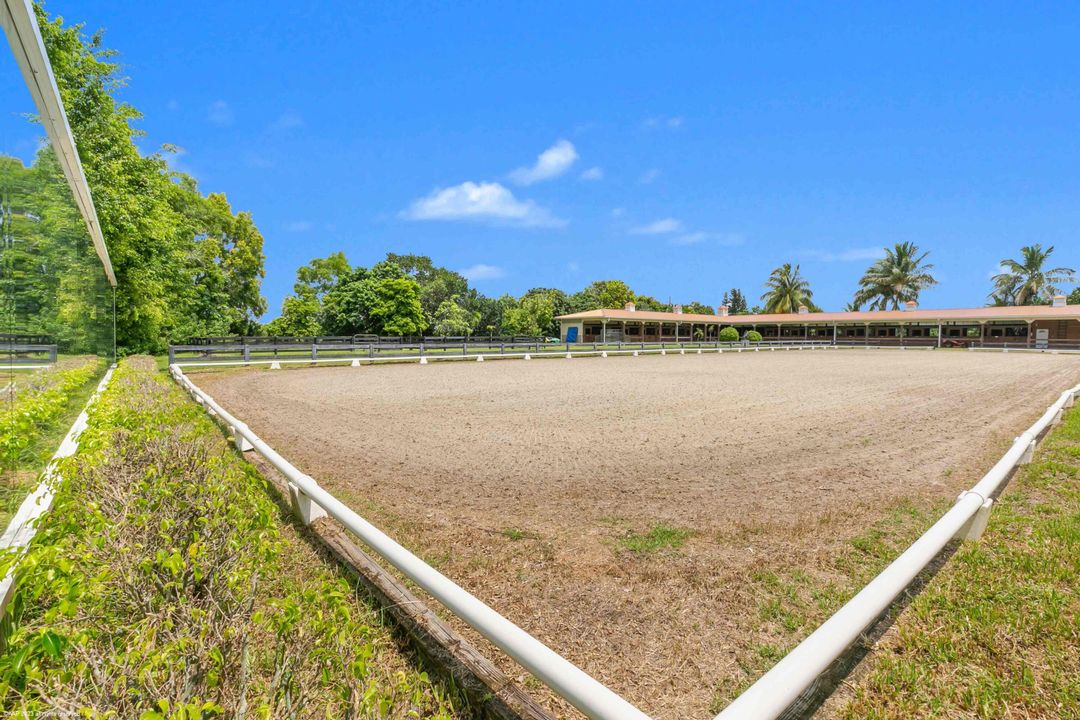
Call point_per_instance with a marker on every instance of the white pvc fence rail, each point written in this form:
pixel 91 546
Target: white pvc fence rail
pixel 777 689
pixel 312 501
pixel 276 363
pixel 22 528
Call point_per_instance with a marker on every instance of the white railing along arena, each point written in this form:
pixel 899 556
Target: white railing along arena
pixel 766 699
pixel 311 501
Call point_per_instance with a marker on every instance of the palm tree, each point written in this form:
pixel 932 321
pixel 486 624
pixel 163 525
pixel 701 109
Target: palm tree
pixel 1026 282
pixel 787 290
pixel 897 278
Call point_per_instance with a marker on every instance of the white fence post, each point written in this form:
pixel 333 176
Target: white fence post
pixel 305 509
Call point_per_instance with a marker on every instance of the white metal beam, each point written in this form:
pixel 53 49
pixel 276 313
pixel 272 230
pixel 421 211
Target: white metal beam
pixel 20 26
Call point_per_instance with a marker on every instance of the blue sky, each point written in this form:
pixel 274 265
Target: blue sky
pixel 684 148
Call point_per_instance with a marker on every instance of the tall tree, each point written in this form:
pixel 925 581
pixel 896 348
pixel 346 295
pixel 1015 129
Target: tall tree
pixel 897 278
pixel 696 308
pixel 531 316
pixel 451 318
pixel 170 246
pixel 737 304
pixel 1027 281
pixel 612 294
pixel 437 284
pixel 786 290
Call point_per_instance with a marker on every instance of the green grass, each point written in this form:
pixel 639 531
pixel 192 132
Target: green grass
pixel 997 632
pixel 31 430
pixel 659 537
pixel 516 534
pixel 793 601
pixel 167 584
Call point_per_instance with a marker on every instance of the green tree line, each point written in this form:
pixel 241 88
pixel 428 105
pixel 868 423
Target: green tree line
pixel 410 295
pixel 186 263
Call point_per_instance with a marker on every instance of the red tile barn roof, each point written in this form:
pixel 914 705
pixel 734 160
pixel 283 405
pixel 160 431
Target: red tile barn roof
pixel 1026 312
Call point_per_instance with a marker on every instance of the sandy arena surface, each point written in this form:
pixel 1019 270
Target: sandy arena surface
pixel 770 459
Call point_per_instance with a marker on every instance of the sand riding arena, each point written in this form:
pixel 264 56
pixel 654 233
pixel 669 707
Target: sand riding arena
pixel 670 524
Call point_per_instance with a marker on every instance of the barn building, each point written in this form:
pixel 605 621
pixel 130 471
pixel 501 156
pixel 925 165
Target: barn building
pixel 1036 326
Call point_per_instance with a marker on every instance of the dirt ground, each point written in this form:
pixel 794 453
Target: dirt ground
pixel 526 481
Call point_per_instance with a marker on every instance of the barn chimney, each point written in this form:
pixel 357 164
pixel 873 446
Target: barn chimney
pixel 629 307
pixel 678 309
pixel 803 310
pixel 722 311
pixel 1059 301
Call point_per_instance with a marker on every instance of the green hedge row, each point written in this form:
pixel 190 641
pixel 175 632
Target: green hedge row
pixel 39 404
pixel 166 583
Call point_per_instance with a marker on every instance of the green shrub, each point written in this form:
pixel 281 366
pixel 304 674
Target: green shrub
pixel 39 404
pixel 729 334
pixel 753 336
pixel 166 583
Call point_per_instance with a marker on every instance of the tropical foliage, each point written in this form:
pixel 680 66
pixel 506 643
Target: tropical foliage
pixel 1027 281
pixel 787 290
pixel 186 264
pixel 895 279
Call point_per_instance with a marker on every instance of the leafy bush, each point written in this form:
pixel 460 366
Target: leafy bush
pixel 166 583
pixel 753 336
pixel 39 404
pixel 729 334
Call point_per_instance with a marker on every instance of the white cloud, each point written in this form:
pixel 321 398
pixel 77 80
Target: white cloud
pixel 659 227
pixel 700 236
pixel 593 173
pixel 484 201
pixel 287 120
pixel 299 226
pixel 482 272
pixel 667 121
pixel 573 266
pixel 849 255
pixel 220 113
pixel 649 176
pixel 551 163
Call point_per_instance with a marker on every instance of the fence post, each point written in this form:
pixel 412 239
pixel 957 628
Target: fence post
pixel 464 348
pixel 247 353
pixel 314 351
pixel 172 355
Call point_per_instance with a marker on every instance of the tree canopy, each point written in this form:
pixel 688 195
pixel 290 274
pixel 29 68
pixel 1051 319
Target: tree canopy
pixel 1027 281
pixel 787 290
pixel 895 279
pixel 185 263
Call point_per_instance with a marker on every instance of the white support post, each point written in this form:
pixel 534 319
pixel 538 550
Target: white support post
pixel 305 509
pixel 423 360
pixel 1070 401
pixel 528 356
pixel 240 441
pixel 603 354
pixel 635 353
pixel 1028 455
pixel 1057 419
pixel 275 365
pixel 569 356
pixel 355 363
pixel 974 528
pixel 479 358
